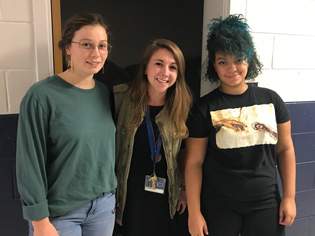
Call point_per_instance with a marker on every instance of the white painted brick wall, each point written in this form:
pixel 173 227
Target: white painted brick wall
pixel 284 82
pixel 264 47
pixel 16 10
pixel 18 82
pixel 238 7
pixel 284 36
pixel 17 53
pixel 25 49
pixel 294 52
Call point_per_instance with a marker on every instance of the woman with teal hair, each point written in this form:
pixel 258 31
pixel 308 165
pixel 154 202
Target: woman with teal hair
pixel 238 134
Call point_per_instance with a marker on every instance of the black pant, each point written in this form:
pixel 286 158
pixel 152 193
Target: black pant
pixel 179 226
pixel 225 221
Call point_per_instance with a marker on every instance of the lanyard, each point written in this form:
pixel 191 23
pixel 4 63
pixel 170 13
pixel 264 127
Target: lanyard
pixel 154 152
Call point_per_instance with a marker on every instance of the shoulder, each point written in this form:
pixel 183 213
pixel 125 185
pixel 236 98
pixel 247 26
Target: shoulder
pixel 101 86
pixel 256 89
pixel 266 93
pixel 206 100
pixel 40 88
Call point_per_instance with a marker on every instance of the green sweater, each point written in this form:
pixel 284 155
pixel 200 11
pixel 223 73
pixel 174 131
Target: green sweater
pixel 65 147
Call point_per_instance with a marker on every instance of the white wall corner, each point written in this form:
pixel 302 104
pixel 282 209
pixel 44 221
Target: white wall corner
pixel 43 38
pixel 3 94
pixel 212 9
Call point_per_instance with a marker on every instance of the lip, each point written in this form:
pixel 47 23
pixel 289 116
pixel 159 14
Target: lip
pixel 162 81
pixel 93 63
pixel 232 76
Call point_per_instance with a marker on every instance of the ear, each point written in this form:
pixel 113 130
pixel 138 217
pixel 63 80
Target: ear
pixel 67 49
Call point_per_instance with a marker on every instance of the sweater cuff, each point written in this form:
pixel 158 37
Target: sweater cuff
pixel 36 212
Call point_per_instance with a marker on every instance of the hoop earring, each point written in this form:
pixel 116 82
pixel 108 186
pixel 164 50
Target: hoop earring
pixel 103 70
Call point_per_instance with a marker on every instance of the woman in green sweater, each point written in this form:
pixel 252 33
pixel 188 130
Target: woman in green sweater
pixel 65 162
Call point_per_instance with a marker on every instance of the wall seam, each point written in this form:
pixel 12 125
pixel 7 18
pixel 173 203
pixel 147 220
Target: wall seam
pixel 7 91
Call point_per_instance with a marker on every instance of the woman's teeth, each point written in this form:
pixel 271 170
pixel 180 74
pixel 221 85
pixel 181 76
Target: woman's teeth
pixel 162 81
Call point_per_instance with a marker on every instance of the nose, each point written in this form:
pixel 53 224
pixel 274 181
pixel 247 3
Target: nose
pixel 232 66
pixel 165 71
pixel 95 51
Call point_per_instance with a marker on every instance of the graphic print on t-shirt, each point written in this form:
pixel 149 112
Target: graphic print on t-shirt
pixel 245 126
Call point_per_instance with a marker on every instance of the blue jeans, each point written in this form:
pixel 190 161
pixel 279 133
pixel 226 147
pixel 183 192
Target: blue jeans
pixel 95 218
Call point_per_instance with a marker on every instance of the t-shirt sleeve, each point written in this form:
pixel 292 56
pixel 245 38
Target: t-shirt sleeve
pixel 197 123
pixel 282 112
pixel 31 159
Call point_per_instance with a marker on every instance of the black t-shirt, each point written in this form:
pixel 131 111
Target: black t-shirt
pixel 240 163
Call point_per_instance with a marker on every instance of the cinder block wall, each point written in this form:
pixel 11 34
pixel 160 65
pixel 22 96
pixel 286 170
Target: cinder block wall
pixel 284 35
pixel 17 53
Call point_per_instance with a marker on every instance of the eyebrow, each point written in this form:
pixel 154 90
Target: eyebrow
pixel 104 40
pixel 221 58
pixel 163 61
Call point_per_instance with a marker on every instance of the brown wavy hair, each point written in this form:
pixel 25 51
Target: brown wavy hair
pixel 178 96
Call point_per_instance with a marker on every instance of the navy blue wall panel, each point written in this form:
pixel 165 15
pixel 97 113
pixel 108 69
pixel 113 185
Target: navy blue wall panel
pixel 312 227
pixel 300 228
pixel 302 117
pixel 304 145
pixel 8 129
pixel 6 181
pixel 11 220
pixel 305 177
pixel 303 136
pixel 305 203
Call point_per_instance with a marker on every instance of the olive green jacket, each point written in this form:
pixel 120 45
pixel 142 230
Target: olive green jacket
pixel 124 149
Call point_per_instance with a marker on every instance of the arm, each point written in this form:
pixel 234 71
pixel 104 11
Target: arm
pixel 195 155
pixel 182 202
pixel 30 164
pixel 287 170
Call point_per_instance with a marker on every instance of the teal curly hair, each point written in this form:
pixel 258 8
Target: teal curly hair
pixel 231 35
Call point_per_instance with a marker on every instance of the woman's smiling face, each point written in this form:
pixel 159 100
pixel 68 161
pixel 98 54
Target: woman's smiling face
pixel 231 71
pixel 161 72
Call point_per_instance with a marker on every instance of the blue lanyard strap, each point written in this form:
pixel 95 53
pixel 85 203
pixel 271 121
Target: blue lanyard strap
pixel 154 152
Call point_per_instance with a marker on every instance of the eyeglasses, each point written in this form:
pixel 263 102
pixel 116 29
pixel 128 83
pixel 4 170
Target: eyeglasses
pixel 103 48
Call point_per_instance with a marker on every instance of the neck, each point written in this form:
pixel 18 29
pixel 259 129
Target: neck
pixel 78 80
pixel 234 90
pixel 156 99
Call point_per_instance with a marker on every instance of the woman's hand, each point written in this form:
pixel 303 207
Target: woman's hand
pixel 182 202
pixel 287 211
pixel 44 228
pixel 197 225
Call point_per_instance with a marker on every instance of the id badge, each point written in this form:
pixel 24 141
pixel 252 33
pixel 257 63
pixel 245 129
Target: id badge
pixel 159 183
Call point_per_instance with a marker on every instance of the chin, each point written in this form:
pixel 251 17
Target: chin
pixel 94 71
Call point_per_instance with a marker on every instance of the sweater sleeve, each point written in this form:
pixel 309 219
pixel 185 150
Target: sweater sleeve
pixel 31 159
